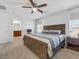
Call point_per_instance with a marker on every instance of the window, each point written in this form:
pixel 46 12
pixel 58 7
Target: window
pixel 74 28
pixel 40 26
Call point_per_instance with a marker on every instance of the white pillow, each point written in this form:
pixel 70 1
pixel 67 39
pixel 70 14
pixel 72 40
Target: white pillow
pixel 55 31
pixel 52 31
pixel 45 31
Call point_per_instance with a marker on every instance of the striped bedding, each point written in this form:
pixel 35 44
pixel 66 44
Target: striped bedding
pixel 54 40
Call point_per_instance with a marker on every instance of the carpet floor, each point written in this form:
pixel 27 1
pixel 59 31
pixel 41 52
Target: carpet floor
pixel 16 50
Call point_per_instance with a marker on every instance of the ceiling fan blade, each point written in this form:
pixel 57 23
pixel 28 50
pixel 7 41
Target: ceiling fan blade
pixel 32 11
pixel 31 1
pixel 26 7
pixel 40 10
pixel 43 5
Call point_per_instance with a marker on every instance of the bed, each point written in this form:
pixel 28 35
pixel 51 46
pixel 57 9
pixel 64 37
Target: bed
pixel 41 44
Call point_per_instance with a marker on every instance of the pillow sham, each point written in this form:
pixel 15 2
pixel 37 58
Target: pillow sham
pixel 52 31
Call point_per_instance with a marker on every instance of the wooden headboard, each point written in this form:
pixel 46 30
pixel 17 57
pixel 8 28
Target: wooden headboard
pixel 55 27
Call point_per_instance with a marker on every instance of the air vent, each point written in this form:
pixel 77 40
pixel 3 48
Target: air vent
pixel 2 7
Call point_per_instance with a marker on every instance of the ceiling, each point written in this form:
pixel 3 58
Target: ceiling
pixel 14 7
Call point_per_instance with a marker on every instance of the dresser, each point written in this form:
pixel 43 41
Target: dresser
pixel 73 43
pixel 17 33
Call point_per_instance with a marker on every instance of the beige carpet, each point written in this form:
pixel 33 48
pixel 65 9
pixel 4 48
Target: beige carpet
pixel 66 54
pixel 16 50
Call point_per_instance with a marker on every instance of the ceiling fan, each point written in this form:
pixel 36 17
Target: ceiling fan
pixel 35 7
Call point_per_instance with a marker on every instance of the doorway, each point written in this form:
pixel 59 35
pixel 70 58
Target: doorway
pixel 17 28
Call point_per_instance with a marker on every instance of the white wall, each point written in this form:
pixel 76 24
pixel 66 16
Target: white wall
pixel 27 24
pixel 74 15
pixel 56 19
pixel 5 28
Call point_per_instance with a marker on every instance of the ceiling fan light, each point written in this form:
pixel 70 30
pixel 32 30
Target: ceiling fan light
pixel 34 9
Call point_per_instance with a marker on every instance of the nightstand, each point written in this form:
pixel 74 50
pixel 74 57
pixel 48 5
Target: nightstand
pixel 73 43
